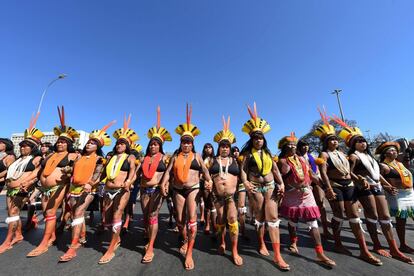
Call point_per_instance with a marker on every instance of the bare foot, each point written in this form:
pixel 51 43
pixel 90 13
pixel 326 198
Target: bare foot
pixel 263 250
pixel 222 249
pixel 339 248
pixel 189 263
pixel 382 252
pixel 325 260
pixel 237 259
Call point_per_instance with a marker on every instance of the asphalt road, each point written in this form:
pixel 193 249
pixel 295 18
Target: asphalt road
pixel 169 262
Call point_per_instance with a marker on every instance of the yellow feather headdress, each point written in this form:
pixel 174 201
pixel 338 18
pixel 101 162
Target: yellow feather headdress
pixel 125 132
pixel 136 147
pixel 33 134
pixel 158 131
pixel 188 129
pixel 347 133
pixel 63 130
pixel 225 134
pixel 287 139
pixel 101 135
pixel 255 124
pixel 325 129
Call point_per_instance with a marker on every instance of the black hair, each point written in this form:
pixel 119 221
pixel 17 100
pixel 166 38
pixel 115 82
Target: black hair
pixel 9 145
pixel 352 149
pixel 247 148
pixel 128 146
pixel 185 139
pixel 283 151
pixel 99 151
pixel 33 146
pixel 147 151
pixel 204 155
pixel 326 140
pixel 49 146
pixel 71 149
pixel 223 143
pixel 384 151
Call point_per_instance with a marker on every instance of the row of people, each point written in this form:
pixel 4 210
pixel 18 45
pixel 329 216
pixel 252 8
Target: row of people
pixel 287 183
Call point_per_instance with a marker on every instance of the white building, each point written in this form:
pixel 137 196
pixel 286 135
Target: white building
pixel 49 137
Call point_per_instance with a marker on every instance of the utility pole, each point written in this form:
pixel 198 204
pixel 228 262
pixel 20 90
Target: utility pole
pixel 337 91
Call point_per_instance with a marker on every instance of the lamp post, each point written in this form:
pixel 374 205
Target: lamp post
pixel 61 76
pixel 337 91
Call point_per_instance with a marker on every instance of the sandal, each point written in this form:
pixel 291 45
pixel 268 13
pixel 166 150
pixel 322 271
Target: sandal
pixel 404 259
pixel 36 252
pixel 147 259
pixel 105 261
pixel 328 263
pixel 284 266
pixel 371 260
pixel 69 255
pixel 6 249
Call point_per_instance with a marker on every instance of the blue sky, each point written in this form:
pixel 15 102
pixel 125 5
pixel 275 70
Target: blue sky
pixel 130 56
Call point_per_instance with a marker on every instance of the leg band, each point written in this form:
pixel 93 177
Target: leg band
pixel 78 221
pixel 234 228
pixel 357 221
pixel 319 249
pixel 273 224
pixel 153 220
pixel 12 219
pixel 116 226
pixel 312 224
pixel 374 221
pixel 386 221
pixel 213 210
pixel 49 218
pixel 258 224
pixel 220 228
pixel 243 210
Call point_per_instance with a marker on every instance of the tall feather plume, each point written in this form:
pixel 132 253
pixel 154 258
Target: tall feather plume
pixel 324 117
pixel 33 120
pixel 228 123
pixel 255 110
pixel 61 113
pixel 292 135
pixel 158 117
pixel 127 121
pixel 252 115
pixel 339 121
pixel 105 128
pixel 189 112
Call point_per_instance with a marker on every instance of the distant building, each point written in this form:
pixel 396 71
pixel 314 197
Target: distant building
pixel 49 137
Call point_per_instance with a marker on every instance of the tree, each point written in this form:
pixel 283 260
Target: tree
pixel 315 144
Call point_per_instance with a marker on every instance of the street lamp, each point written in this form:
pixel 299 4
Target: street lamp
pixel 337 91
pixel 61 76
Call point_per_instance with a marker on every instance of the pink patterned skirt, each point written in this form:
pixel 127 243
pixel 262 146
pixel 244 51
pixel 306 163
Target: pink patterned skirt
pixel 299 204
